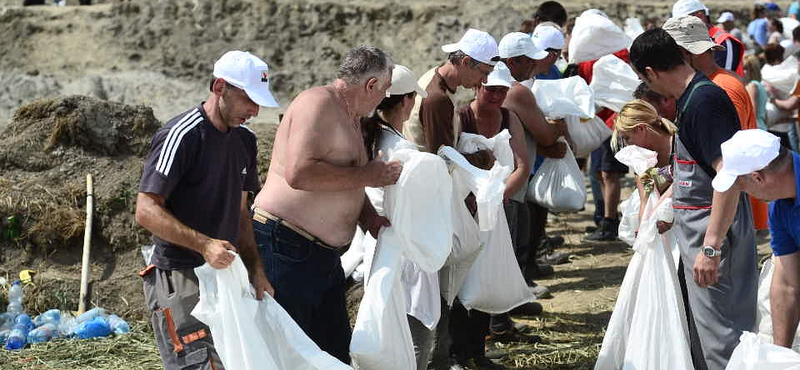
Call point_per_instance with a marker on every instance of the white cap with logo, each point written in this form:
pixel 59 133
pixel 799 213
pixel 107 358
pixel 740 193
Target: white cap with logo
pixel 686 7
pixel 547 37
pixel 745 152
pixel 517 43
pixel 500 76
pixel 404 82
pixel 247 72
pixel 479 45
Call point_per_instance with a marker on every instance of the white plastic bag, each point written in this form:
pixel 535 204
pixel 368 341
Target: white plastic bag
pixel 564 97
pixel 633 28
pixel 500 145
pixel 648 329
pixel 495 283
pixel 783 77
pixel 355 254
pixel 251 334
pixel 637 158
pixel 421 233
pixel 789 24
pixel 613 82
pixel 753 353
pixel 558 185
pixel 595 36
pixel 587 135
pixel 629 221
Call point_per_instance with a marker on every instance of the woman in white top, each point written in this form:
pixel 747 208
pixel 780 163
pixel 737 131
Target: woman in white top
pixel 382 136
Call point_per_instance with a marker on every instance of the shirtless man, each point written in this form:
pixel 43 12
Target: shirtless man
pixel 314 195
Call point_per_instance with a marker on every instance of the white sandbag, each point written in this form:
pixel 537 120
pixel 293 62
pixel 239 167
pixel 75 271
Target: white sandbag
pixel 500 145
pixel 633 28
pixel 595 36
pixel 558 185
pixel 764 312
pixel 587 135
pixel 783 77
pixel 253 334
pixel 495 283
pixel 753 353
pixel 777 118
pixel 648 317
pixel 613 82
pixel 421 233
pixel 637 158
pixel 789 24
pixel 564 97
pixel 629 222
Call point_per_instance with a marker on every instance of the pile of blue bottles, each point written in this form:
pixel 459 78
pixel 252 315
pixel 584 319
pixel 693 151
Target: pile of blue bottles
pixel 17 328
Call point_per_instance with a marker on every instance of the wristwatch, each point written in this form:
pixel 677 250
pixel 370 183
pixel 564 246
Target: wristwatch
pixel 711 252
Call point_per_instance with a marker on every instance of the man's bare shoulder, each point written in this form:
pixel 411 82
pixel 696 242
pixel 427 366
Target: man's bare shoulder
pixel 317 96
pixel 519 96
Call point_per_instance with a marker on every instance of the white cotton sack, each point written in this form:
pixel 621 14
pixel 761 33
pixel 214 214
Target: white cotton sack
pixel 637 158
pixel 753 353
pixel 595 36
pixel 587 135
pixel 783 77
pixel 564 97
pixel 558 185
pixel 613 82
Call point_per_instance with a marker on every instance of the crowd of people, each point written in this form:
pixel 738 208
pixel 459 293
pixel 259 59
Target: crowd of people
pixel 703 106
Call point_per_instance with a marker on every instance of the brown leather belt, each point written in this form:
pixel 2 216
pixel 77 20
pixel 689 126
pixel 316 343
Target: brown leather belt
pixel 260 215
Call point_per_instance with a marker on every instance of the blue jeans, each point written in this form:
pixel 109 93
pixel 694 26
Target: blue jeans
pixel 309 284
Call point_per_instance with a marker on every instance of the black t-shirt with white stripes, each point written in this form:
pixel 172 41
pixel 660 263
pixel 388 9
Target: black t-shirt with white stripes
pixel 201 173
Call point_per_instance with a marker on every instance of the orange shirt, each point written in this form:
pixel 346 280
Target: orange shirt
pixel 739 96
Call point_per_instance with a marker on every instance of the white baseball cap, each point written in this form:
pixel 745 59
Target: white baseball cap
pixel 691 34
pixel 746 151
pixel 517 43
pixel 686 7
pixel 546 37
pixel 247 72
pixel 500 76
pixel 479 45
pixel 726 17
pixel 404 82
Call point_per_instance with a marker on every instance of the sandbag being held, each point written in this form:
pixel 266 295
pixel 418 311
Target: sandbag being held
pixel 594 37
pixel 420 233
pixel 613 82
pixel 753 353
pixel 564 97
pixel 783 77
pixel 251 334
pixel 558 185
pixel 587 135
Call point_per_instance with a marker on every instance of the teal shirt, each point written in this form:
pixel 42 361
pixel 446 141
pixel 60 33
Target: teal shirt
pixel 761 105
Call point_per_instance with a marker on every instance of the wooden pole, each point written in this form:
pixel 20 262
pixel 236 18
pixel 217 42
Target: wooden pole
pixel 87 245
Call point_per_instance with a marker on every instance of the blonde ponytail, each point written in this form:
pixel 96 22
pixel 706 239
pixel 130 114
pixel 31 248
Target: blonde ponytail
pixel 635 113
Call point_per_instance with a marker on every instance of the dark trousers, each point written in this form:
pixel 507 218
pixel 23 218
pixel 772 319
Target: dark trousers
pixel 309 284
pixel 468 330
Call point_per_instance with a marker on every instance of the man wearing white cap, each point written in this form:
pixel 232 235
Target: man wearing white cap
pixel 689 33
pixel 726 22
pixel 313 196
pixel 193 198
pixel 731 57
pixel 714 230
pixel 754 162
pixel 469 61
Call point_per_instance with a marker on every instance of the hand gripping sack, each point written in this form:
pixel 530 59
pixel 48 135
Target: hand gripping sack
pixel 613 82
pixel 251 334
pixel 587 135
pixel 495 283
pixel 421 233
pixel 558 185
pixel 594 37
pixel 564 97
pixel 753 353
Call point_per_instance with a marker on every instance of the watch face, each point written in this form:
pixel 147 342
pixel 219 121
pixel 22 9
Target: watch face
pixel 709 251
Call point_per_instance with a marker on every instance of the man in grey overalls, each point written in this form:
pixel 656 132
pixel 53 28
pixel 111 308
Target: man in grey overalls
pixel 714 229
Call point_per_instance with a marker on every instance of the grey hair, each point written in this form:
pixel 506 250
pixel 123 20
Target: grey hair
pixel 362 63
pixel 457 56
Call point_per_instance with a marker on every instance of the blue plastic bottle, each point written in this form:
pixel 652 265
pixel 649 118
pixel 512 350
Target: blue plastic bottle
pixel 118 325
pixel 17 337
pixel 4 335
pixel 96 327
pixel 25 320
pixel 15 296
pixel 43 333
pixel 91 314
pixel 48 317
